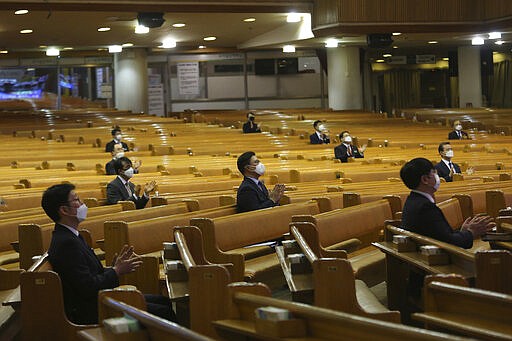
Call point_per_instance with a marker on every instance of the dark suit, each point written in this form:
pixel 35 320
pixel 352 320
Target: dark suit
pixel 116 191
pixel 453 135
pixel 247 129
pixel 421 216
pixel 444 172
pixel 340 152
pixel 251 197
pixel 109 147
pixel 81 273
pixel 109 168
pixel 314 139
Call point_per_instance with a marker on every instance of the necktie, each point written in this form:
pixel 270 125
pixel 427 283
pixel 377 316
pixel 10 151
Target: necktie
pixel 260 185
pixel 460 135
pixel 349 151
pixel 128 189
pixel 451 167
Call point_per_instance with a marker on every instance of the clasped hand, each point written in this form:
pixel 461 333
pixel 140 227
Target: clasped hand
pixel 126 261
pixel 478 225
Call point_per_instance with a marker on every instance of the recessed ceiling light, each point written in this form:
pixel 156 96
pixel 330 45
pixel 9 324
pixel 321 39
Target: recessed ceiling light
pixel 433 42
pixel 52 52
pixel 168 43
pixel 179 24
pixel 26 31
pixel 380 60
pixel 141 29
pixel 446 59
pixel 21 11
pixel 499 42
pixel 395 47
pixel 211 38
pixel 30 69
pixel 250 19
pixel 68 48
pixel 103 29
pixel 495 35
pixel 293 17
pixel 387 55
pixel 4 51
pixel 477 41
pixel 331 43
pixel 43 46
pixel 115 48
pixel 397 33
pixel 288 49
pixel 102 49
pixel 127 45
pixel 201 47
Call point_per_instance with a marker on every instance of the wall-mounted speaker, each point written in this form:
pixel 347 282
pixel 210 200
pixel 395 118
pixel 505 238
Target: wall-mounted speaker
pixel 150 19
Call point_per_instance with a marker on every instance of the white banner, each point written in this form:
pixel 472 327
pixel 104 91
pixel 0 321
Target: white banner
pixel 156 104
pixel 188 78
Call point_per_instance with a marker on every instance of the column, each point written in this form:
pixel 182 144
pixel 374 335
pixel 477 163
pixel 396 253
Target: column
pixel 131 80
pixel 470 84
pixel 344 78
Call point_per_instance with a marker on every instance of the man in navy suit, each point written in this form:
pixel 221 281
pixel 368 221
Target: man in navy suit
pixel 457 133
pixel 117 136
pixel 319 136
pixel 446 168
pixel 250 126
pixel 121 189
pixel 252 193
pixel 347 150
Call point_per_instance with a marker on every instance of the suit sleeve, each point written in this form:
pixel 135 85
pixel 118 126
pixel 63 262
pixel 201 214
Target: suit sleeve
pixel 140 202
pixel 338 154
pixel 358 155
pixel 113 194
pixel 312 139
pixel 247 200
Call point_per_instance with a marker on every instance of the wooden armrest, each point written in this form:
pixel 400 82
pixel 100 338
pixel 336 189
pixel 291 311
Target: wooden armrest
pixel 16 246
pixel 101 244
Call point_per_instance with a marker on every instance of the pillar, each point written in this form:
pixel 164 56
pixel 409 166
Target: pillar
pixel 470 83
pixel 131 80
pixel 344 78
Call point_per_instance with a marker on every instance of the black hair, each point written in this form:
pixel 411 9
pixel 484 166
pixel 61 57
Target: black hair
pixel 118 164
pixel 343 132
pixel 441 146
pixel 316 123
pixel 413 170
pixel 54 197
pixel 249 113
pixel 244 160
pixel 115 131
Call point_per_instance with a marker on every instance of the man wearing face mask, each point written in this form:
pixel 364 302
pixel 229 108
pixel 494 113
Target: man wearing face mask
pixel 250 126
pixel 446 168
pixel 319 136
pixel 347 150
pixel 252 193
pixel 121 189
pixel 421 215
pixel 116 138
pixel 457 133
pixel 117 153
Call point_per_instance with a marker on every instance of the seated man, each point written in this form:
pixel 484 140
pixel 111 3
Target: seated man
pixel 121 189
pixel 421 214
pixel 252 193
pixel 457 133
pixel 446 168
pixel 118 152
pixel 346 149
pixel 250 126
pixel 319 136
pixel 116 138
pixel 81 272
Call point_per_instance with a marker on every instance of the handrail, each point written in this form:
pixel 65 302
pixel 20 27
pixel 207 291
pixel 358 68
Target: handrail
pixel 310 255
pixel 186 256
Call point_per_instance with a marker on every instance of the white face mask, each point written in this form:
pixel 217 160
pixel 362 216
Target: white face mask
pixel 438 182
pixel 321 128
pixel 129 172
pixel 458 127
pixel 81 213
pixel 119 137
pixel 119 155
pixel 260 169
pixel 347 139
pixel 449 154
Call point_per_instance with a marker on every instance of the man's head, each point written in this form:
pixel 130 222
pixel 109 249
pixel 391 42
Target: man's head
pixel 457 125
pixel 250 116
pixel 116 133
pixel 419 174
pixel 345 137
pixel 123 168
pixel 445 150
pixel 318 125
pixel 118 151
pixel 62 205
pixel 249 165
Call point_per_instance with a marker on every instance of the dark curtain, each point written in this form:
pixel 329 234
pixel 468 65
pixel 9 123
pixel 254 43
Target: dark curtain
pixel 501 90
pixel 401 89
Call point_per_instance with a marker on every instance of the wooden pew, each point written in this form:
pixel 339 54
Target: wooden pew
pixel 472 312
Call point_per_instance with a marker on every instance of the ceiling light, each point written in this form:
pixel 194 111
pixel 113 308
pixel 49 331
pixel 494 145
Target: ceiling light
pixel 127 45
pixel 396 33
pixel 21 11
pixel 168 43
pixel 250 19
pixel 68 48
pixel 115 48
pixel 330 43
pixel 43 46
pixel 433 42
pixel 380 60
pixel 386 55
pixel 26 31
pixel 446 59
pixel 4 51
pixel 293 17
pixel 201 47
pixel 179 24
pixel 52 52
pixel 141 29
pixel 211 38
pixel 495 35
pixel 499 42
pixel 288 49
pixel 31 69
pixel 477 41
pixel 102 49
pixel 103 29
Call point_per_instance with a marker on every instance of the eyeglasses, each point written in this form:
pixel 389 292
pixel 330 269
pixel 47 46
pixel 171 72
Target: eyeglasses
pixel 76 199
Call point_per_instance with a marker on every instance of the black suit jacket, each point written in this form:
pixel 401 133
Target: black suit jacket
pixel 81 274
pixel 116 191
pixel 452 135
pixel 444 172
pixel 340 152
pixel 250 197
pixel 314 139
pixel 247 129
pixel 109 147
pixel 421 216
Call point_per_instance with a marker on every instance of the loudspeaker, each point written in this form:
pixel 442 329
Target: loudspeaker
pixel 379 40
pixel 150 19
pixel 453 64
